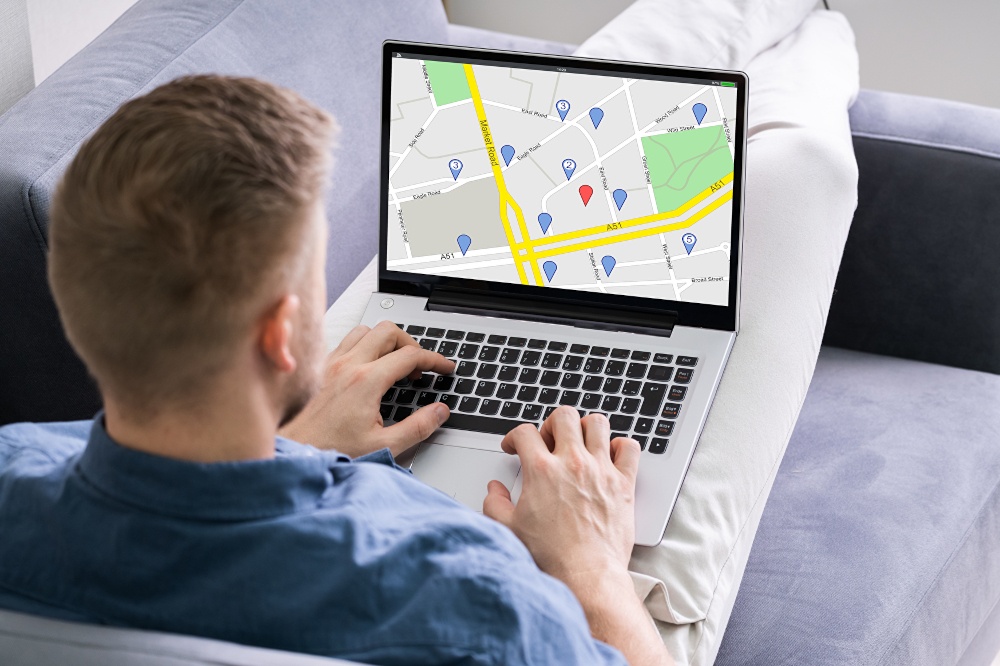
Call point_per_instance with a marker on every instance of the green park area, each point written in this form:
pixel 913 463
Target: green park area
pixel 448 82
pixel 682 164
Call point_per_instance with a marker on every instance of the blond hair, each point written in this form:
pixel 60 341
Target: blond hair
pixel 176 222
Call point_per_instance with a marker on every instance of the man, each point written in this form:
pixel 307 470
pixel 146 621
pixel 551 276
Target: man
pixel 187 261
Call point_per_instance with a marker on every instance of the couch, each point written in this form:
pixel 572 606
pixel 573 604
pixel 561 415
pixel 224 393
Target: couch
pixel 880 543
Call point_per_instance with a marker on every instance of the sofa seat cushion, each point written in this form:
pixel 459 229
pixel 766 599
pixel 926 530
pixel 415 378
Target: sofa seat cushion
pixel 879 543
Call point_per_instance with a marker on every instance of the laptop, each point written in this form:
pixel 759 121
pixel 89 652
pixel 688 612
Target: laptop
pixel 568 231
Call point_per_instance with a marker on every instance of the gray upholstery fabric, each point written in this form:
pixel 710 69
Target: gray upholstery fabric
pixel 919 273
pixel 878 544
pixel 328 51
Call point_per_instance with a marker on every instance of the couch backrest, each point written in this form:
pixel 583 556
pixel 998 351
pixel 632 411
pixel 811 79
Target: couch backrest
pixel 327 50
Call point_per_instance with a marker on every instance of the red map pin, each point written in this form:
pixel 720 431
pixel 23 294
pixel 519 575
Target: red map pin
pixel 586 191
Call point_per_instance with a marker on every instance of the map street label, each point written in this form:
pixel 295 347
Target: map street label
pixel 550 269
pixel 544 221
pixel 596 116
pixel 620 196
pixel 609 264
pixel 562 108
pixel 689 240
pixel 569 166
pixel 508 154
pixel 456 168
pixel 463 243
pixel 699 110
pixel 586 191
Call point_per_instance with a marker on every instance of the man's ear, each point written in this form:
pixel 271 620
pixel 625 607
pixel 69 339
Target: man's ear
pixel 276 330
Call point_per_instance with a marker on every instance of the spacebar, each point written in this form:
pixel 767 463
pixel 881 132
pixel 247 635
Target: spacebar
pixel 480 423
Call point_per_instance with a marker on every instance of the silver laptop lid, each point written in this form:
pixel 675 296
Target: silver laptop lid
pixel 605 193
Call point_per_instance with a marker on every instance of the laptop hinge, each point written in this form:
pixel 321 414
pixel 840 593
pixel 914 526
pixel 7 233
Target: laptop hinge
pixel 554 310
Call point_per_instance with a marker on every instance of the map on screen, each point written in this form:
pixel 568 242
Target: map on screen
pixel 561 180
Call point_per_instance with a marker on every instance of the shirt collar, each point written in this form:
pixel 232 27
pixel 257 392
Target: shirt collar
pixel 241 490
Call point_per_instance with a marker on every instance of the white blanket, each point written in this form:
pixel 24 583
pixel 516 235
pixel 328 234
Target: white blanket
pixel 801 191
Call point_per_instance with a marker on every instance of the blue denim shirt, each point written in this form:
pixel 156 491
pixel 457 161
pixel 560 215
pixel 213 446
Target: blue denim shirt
pixel 308 552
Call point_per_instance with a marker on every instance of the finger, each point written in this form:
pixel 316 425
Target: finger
pixel 597 435
pixel 351 339
pixel 497 504
pixel 415 428
pixel 562 429
pixel 407 361
pixel 525 442
pixel 384 338
pixel 625 455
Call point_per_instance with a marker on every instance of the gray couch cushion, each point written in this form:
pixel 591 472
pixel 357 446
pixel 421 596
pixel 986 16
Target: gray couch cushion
pixel 879 541
pixel 328 51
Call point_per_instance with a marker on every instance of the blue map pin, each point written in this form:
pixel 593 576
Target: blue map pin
pixel 456 168
pixel 550 269
pixel 689 240
pixel 562 108
pixel 699 112
pixel 544 221
pixel 569 166
pixel 609 264
pixel 508 153
pixel 620 196
pixel 596 115
pixel 463 243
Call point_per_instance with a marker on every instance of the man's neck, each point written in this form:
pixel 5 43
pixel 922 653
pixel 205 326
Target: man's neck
pixel 228 425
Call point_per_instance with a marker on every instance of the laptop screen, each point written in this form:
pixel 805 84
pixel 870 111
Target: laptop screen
pixel 562 175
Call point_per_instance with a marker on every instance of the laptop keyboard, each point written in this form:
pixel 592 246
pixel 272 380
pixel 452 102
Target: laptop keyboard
pixel 501 382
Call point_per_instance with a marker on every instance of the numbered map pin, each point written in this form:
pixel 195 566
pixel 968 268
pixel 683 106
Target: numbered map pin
pixel 463 243
pixel 544 221
pixel 609 264
pixel 699 112
pixel 689 240
pixel 562 108
pixel 550 269
pixel 456 168
pixel 569 166
pixel 596 116
pixel 620 196
pixel 508 153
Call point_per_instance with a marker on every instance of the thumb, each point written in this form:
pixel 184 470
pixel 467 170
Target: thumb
pixel 497 504
pixel 415 428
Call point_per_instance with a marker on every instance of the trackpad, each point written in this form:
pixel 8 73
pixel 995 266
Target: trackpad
pixel 463 473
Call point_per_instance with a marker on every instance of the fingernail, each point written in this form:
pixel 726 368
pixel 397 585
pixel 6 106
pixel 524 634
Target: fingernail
pixel 442 413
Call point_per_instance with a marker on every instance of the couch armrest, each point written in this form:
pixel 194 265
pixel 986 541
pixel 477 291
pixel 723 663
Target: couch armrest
pixel 921 268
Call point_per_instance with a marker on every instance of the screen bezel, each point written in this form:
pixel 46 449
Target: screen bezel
pixel 421 284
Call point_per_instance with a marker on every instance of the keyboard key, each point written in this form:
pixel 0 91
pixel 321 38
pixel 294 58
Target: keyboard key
pixel 385 410
pixel 528 376
pixel 652 397
pixel 403 381
pixel 401 413
pixel 466 368
pixel 415 330
pixel 642 441
pixel 497 339
pixel 447 348
pixel 477 423
pixel 485 389
pixel 592 383
pixel 429 344
pixel 612 385
pixel 531 358
pixel 527 393
pixel 426 398
pixel 435 332
pixel 551 360
pixel 636 370
pixel 663 358
pixel 508 373
pixel 468 351
pixel 644 426
pixel 658 445
pixel 443 383
pixel 631 387
pixel 684 375
pixel 579 349
pixel 389 395
pixel 570 380
pixel 670 410
pixel 631 405
pixel 516 342
pixel 532 412
pixel 400 326
pixel 677 393
pixel 640 355
pixel 489 407
pixel 506 391
pixel 620 353
pixel 557 346
pixel 687 360
pixel 423 381
pixel 510 356
pixel 599 351
pixel 616 435
pixel 591 401
pixel 550 378
pixel 610 403
pixel 572 363
pixel 660 373
pixel 468 404
pixel 405 397
pixel 475 337
pixel 511 409
pixel 664 429
pixel 465 386
pixel 548 412
pixel 487 371
pixel 535 343
pixel 615 368
pixel 455 335
pixel 593 366
pixel 569 398
pixel 548 396
pixel 620 422
pixel 489 354
pixel 451 400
